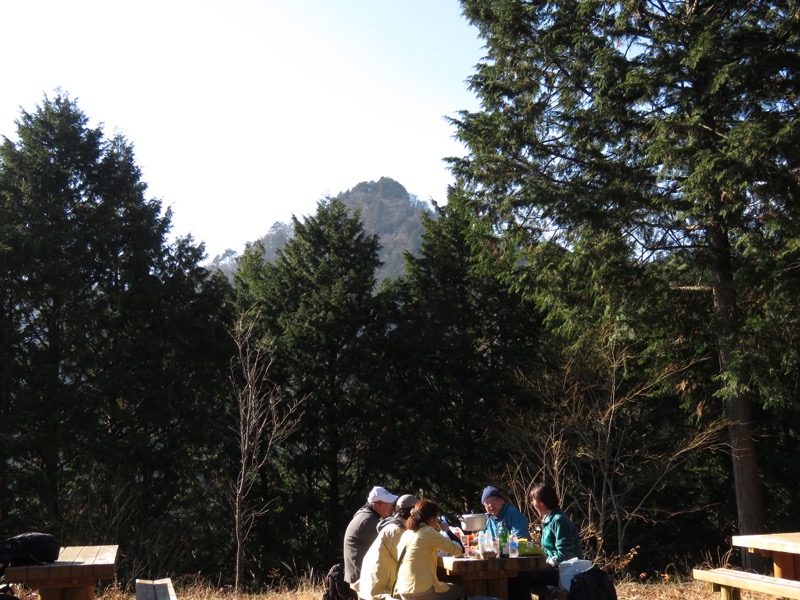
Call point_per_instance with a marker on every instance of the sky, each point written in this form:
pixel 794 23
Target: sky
pixel 243 113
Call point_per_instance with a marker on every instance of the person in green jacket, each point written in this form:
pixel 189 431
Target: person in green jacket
pixel 560 537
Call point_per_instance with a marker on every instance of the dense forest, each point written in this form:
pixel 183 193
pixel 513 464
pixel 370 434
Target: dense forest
pixel 607 302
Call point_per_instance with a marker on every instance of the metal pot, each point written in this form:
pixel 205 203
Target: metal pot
pixel 473 522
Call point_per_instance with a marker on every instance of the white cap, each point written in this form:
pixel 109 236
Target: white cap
pixel 379 494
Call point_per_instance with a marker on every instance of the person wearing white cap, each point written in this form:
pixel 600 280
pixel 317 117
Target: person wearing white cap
pixel 363 529
pixel 379 568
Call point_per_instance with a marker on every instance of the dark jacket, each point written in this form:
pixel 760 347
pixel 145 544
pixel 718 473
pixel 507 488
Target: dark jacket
pixel 361 532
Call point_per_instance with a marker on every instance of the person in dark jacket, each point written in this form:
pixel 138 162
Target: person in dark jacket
pixel 363 529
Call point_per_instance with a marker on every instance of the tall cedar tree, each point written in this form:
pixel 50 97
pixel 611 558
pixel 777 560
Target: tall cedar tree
pixel 673 124
pixel 321 324
pixel 461 337
pixel 110 348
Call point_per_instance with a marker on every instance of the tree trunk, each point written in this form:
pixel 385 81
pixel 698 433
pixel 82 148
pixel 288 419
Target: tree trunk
pixel 240 541
pixel 749 509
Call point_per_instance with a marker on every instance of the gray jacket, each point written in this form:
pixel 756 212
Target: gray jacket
pixel 361 532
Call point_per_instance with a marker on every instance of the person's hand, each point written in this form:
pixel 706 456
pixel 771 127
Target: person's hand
pixel 552 561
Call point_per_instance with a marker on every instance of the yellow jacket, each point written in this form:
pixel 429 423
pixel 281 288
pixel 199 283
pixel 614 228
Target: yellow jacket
pixel 379 568
pixel 417 572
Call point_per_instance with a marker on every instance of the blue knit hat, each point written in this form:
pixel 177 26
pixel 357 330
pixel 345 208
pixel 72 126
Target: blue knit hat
pixel 490 491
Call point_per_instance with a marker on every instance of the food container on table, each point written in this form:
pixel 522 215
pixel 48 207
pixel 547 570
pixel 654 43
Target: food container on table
pixel 473 522
pixel 487 547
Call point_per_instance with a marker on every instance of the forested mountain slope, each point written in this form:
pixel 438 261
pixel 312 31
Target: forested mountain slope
pixel 386 209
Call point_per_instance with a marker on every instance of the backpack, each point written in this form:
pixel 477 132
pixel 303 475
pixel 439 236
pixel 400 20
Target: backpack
pixel 28 549
pixel 336 588
pixel 592 584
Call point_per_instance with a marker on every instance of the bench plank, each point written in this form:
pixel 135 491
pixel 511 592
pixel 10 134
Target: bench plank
pixel 155 589
pixel 88 563
pixel 732 579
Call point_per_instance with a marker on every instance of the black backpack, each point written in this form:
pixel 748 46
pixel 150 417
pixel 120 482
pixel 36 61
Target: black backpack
pixel 28 549
pixel 592 584
pixel 336 588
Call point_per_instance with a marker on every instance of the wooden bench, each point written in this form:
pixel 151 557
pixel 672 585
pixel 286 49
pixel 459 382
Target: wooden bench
pixel 155 589
pixel 728 582
pixel 72 576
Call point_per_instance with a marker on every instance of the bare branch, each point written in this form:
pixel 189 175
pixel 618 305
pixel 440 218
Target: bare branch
pixel 266 419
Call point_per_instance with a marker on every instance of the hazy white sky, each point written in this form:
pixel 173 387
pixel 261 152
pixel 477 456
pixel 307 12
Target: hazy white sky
pixel 244 112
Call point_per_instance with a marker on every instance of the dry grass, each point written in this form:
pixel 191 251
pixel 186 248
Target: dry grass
pixel 667 590
pixel 690 590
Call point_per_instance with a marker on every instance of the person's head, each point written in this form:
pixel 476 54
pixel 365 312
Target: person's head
pixel 492 500
pixel 425 512
pixel 381 501
pixel 404 506
pixel 544 499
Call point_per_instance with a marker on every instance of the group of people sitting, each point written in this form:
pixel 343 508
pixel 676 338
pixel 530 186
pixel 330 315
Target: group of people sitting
pixel 391 545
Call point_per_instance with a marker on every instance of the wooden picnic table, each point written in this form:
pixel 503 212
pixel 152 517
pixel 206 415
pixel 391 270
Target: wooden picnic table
pixel 782 548
pixel 72 576
pixel 486 576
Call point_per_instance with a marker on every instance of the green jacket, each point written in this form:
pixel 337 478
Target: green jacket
pixel 560 537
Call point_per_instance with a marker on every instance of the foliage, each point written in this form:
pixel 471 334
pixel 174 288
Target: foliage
pixel 556 322
pixel 322 323
pixel 671 126
pixel 460 337
pixel 110 350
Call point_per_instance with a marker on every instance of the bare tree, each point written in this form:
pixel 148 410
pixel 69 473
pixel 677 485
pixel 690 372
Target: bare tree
pixel 265 420
pixel 602 444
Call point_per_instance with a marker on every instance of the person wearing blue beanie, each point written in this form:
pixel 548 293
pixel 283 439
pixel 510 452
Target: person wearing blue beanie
pixel 499 510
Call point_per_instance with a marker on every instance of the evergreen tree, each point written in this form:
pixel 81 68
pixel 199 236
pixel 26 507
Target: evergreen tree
pixel 672 125
pixel 460 339
pixel 112 346
pixel 321 324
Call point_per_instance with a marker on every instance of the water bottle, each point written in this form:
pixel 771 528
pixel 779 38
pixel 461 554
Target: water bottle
pixel 513 545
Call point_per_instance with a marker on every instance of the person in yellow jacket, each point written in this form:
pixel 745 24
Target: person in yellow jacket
pixel 379 568
pixel 419 547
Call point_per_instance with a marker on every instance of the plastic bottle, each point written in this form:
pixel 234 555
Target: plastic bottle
pixel 502 539
pixel 513 545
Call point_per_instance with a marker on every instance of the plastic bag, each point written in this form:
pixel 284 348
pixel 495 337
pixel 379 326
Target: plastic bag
pixel 568 569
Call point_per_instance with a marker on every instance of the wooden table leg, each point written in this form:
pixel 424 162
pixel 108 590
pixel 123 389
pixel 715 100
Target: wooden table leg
pixel 498 588
pixel 784 565
pixel 66 593
pixel 730 593
pixel 474 586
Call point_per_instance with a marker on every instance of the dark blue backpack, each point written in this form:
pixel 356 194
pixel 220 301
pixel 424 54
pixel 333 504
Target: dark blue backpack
pixel 592 584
